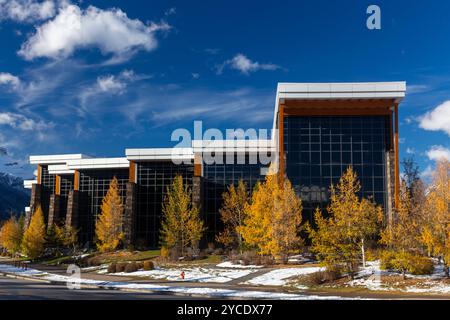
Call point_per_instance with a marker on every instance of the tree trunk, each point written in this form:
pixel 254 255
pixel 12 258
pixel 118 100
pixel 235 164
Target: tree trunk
pixel 363 251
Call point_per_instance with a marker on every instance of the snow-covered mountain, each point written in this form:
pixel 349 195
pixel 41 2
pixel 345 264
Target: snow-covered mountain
pixel 13 197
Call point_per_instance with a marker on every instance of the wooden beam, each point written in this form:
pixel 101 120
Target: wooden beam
pixel 340 104
pixel 335 112
pixel 397 166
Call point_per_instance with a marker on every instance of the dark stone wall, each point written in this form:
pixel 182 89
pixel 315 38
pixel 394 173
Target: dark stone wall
pixel 36 198
pixel 54 210
pixel 129 217
pixel 73 209
pixel 197 191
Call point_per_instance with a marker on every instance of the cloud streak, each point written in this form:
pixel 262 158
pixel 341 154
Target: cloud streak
pixel 244 65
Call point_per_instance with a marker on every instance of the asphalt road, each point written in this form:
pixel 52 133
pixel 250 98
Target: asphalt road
pixel 17 289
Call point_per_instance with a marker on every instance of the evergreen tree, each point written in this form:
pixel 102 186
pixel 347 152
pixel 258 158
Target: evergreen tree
pixel 34 237
pixel 181 224
pixel 11 235
pixel 108 228
pixel 232 214
pixel 340 240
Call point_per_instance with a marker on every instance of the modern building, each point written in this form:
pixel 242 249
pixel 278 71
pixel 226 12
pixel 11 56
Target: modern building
pixel 319 130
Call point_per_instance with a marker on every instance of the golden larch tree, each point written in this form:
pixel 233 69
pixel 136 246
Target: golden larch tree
pixel 273 219
pixel 340 240
pixel 436 235
pixel 34 237
pixel 232 214
pixel 181 224
pixel 108 229
pixel 287 218
pixel 11 235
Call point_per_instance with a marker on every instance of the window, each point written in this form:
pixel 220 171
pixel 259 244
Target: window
pixel 359 141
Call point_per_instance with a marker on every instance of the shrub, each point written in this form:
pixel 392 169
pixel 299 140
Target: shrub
pixel 218 252
pixel 267 261
pixel 139 265
pixel 165 252
pixel 386 260
pixel 373 254
pixel 131 267
pixel 112 268
pixel 420 265
pixel 120 267
pixel 406 262
pixel 93 262
pixel 321 277
pixel 149 265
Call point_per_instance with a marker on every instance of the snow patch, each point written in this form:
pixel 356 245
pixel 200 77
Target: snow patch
pixel 281 277
pixel 229 264
pixel 190 274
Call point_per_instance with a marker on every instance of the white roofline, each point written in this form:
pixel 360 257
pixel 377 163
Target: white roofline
pixel 60 169
pixel 161 154
pixel 98 163
pixel 27 184
pixel 55 158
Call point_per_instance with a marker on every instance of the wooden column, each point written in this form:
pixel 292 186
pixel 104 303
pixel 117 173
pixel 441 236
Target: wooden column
pixel 58 185
pixel 76 180
pixel 132 173
pixel 281 141
pixel 396 165
pixel 39 174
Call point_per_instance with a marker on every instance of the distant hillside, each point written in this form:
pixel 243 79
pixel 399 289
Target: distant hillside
pixel 13 197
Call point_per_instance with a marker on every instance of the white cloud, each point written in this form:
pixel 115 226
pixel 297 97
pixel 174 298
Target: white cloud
pixel 27 10
pixel 427 174
pixel 410 151
pixel 195 75
pixel 243 64
pixel 438 152
pixel 110 84
pixel 73 28
pixel 22 122
pixel 437 119
pixel 9 79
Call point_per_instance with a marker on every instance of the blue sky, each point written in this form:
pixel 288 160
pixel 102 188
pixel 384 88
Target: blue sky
pixel 97 77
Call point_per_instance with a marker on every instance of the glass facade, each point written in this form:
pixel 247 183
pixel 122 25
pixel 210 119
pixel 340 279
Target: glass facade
pixel 94 185
pixel 66 184
pixel 153 178
pixel 320 148
pixel 48 182
pixel 217 178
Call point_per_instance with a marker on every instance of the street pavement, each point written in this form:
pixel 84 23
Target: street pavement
pixel 17 289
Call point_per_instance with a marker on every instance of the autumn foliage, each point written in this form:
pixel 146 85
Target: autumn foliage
pixel 108 228
pixel 340 240
pixel 34 237
pixel 11 235
pixel 181 225
pixel 233 214
pixel 273 218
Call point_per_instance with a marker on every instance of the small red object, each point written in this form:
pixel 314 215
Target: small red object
pixel 182 275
